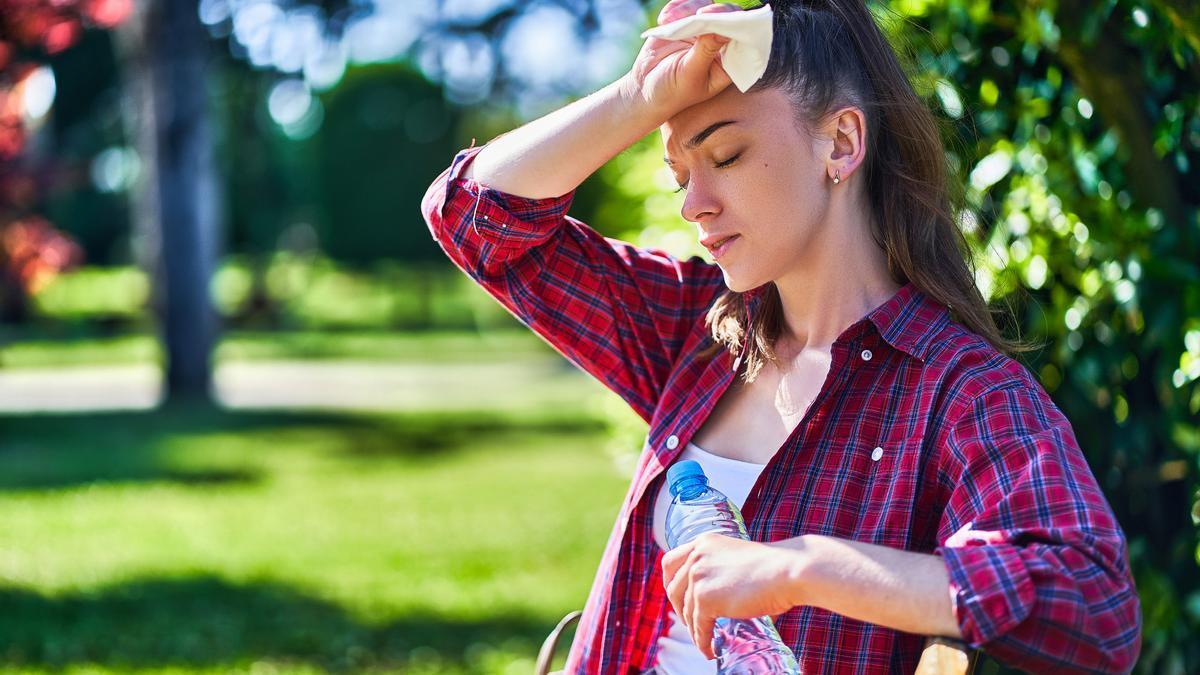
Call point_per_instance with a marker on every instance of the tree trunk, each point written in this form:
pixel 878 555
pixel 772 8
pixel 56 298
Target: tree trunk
pixel 177 214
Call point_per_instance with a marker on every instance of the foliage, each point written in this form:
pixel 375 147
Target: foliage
pixel 1080 134
pixel 31 30
pixel 32 251
pixel 387 134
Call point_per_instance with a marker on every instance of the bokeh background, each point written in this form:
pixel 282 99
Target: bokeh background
pixel 253 421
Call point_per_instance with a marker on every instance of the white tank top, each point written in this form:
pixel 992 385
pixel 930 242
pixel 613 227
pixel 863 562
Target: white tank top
pixel 677 655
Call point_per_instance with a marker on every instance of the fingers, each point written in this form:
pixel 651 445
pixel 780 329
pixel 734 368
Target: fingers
pixel 699 626
pixel 672 560
pixel 691 614
pixel 703 628
pixel 676 590
pixel 718 7
pixel 657 49
pixel 678 9
pixel 689 608
pixel 680 575
pixel 714 43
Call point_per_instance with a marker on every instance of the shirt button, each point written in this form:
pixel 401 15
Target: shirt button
pixel 878 452
pixel 866 355
pixel 672 442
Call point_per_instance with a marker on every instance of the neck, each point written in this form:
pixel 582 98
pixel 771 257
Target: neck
pixel 843 277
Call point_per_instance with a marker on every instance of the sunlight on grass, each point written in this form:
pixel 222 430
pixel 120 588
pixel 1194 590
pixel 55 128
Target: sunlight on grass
pixel 425 347
pixel 208 541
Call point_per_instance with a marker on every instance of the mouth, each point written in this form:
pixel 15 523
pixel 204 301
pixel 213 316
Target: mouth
pixel 718 247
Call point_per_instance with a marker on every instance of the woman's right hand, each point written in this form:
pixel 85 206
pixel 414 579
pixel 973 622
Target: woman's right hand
pixel 671 75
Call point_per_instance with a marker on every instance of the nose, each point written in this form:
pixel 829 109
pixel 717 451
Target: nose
pixel 699 203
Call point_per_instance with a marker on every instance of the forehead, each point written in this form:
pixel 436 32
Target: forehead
pixel 754 112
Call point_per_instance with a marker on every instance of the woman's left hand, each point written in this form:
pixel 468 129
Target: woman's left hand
pixel 719 576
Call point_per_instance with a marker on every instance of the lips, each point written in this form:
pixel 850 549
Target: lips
pixel 717 244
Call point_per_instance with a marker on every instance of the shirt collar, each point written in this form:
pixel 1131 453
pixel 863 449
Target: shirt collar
pixel 907 321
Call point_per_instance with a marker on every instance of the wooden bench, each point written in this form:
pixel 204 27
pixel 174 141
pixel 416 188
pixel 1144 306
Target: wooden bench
pixel 941 656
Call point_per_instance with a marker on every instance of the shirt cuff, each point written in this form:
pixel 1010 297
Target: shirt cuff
pixel 990 587
pixel 503 219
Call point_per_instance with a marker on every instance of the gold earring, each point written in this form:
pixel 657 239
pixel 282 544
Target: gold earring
pixel 837 176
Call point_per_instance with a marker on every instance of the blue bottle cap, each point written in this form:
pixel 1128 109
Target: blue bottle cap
pixel 683 471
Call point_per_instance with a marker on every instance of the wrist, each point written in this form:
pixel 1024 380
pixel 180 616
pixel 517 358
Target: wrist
pixel 635 106
pixel 798 566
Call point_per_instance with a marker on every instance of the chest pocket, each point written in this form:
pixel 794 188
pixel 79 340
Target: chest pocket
pixel 889 493
pixel 864 485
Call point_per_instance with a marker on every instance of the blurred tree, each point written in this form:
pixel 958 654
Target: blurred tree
pixel 529 55
pixel 85 141
pixel 167 54
pixel 32 252
pixel 386 131
pixel 1079 127
pixel 31 32
pixel 268 179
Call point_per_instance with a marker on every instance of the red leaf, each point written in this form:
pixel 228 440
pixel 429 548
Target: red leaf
pixel 108 13
pixel 61 35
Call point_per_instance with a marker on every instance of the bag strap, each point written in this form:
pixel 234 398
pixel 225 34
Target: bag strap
pixel 546 653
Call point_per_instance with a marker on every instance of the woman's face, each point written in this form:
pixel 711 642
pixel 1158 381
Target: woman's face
pixel 749 172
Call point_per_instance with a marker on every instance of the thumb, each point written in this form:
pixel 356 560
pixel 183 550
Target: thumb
pixel 704 57
pixel 704 51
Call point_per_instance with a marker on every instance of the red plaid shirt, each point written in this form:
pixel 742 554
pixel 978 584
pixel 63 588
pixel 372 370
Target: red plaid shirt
pixel 978 465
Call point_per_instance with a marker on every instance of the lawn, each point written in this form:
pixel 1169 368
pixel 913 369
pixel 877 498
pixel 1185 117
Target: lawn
pixel 139 347
pixel 206 540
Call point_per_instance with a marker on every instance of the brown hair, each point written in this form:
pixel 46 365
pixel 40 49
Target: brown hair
pixel 827 55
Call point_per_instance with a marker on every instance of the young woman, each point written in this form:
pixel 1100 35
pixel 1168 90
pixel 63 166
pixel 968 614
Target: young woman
pixel 835 371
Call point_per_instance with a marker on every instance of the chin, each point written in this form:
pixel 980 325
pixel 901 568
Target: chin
pixel 737 283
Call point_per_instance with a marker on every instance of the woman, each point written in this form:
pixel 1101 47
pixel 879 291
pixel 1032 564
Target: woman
pixel 836 370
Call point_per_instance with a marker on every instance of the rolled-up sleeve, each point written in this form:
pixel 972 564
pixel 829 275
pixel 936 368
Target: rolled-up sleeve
pixel 1039 570
pixel 479 226
pixel 618 311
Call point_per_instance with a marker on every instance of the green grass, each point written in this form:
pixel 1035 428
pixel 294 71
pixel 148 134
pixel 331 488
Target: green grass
pixel 301 293
pixel 40 351
pixel 205 541
pixel 44 352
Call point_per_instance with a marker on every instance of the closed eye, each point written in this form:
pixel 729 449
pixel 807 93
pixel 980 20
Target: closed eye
pixel 718 165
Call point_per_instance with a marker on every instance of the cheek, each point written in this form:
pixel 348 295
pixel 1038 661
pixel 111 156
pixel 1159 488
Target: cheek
pixel 781 207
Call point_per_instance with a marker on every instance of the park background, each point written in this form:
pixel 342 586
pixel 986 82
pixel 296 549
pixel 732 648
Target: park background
pixel 252 420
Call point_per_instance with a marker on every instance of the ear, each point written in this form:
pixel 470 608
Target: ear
pixel 847 131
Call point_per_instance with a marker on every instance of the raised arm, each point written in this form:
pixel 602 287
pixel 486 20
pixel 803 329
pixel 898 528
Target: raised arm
pixel 552 155
pixel 619 312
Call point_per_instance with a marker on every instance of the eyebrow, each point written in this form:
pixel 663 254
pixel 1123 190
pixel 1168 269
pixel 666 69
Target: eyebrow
pixel 701 137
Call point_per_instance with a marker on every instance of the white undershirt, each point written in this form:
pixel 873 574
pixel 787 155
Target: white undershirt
pixel 677 654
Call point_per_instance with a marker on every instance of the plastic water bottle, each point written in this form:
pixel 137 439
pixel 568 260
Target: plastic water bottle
pixel 742 646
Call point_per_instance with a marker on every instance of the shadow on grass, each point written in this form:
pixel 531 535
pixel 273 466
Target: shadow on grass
pixel 207 622
pixel 55 451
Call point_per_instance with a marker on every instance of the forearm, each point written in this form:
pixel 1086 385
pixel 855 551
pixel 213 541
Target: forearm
pixel 553 154
pixel 889 587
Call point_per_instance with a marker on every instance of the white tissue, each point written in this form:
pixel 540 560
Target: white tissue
pixel 745 56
